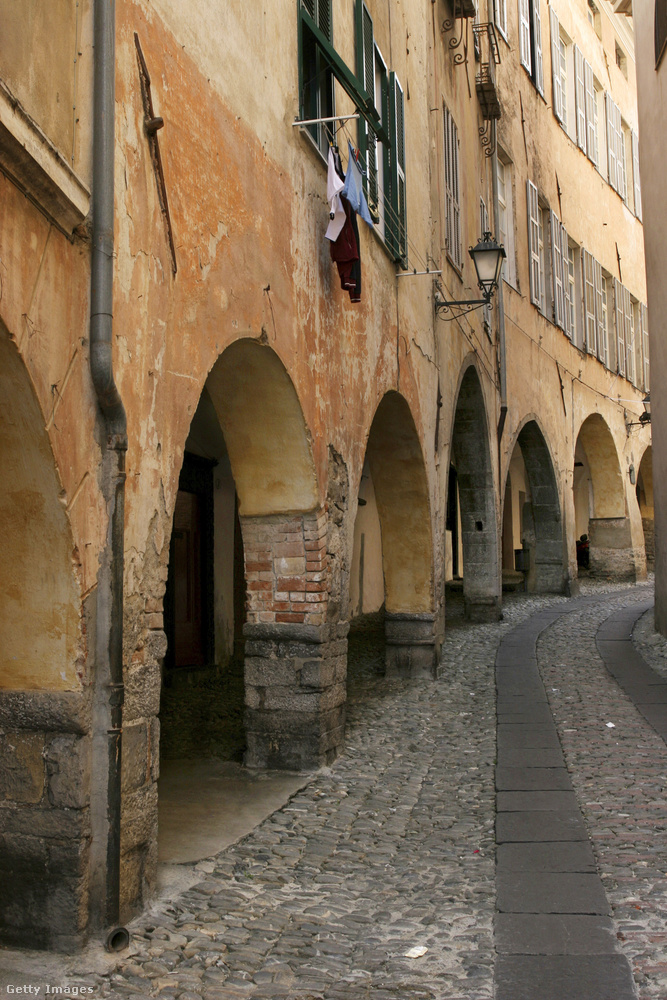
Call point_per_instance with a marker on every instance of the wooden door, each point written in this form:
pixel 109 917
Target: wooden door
pixel 189 645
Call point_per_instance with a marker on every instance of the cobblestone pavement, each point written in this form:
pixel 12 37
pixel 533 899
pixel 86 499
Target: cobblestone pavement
pixel 392 848
pixel 619 775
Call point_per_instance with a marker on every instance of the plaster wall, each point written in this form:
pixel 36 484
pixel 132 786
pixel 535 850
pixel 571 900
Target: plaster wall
pixel 366 577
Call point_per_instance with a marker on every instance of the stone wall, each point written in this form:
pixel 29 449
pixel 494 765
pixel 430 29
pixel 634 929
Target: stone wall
pixel 45 752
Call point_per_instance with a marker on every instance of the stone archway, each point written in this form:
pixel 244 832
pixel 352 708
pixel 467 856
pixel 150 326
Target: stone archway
pixel 295 663
pixel 532 520
pixel 476 501
pixel 393 549
pixel 44 716
pixel 599 491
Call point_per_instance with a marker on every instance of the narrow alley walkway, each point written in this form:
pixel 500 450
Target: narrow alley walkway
pixel 378 879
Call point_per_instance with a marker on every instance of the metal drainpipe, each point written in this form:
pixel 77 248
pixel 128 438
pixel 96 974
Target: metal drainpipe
pixel 108 677
pixel 499 299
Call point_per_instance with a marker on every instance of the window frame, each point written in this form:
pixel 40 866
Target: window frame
pixel 530 42
pixel 453 215
pixel 509 268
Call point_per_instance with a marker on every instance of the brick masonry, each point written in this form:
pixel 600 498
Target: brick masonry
pixel 296 660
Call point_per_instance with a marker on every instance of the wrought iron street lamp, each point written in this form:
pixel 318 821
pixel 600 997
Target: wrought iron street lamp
pixel 488 257
pixel 645 417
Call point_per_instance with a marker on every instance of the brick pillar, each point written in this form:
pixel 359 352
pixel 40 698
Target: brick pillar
pixel 296 661
pixel 411 645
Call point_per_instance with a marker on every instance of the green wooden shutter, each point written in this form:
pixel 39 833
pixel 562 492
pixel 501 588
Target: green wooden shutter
pixel 399 245
pixel 324 19
pixel 367 141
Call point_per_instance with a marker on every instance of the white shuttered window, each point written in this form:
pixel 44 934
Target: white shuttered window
pixel 628 316
pixel 635 176
pixel 643 314
pixel 557 269
pixel 591 114
pixel 580 98
pixel 568 283
pixel 588 282
pixel 533 243
pixel 537 47
pixel 524 35
pixel 601 314
pixel 452 203
pixel 556 77
pixel 619 322
pixel 530 41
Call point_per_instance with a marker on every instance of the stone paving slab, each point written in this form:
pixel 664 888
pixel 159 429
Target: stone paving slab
pixel 537 714
pixel 532 778
pixel 513 737
pixel 537 799
pixel 549 892
pixel 554 934
pixel 510 757
pixel 563 977
pixel 536 826
pixel 546 857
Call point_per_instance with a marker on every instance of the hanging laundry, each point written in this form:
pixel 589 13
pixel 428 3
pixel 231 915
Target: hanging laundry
pixel 335 184
pixel 353 189
pixel 345 254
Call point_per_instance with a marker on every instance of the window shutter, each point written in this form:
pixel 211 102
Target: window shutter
pixel 630 372
pixel 620 156
pixel 591 117
pixel 324 19
pixel 602 339
pixel 635 176
pixel 500 14
pixel 611 141
pixel 645 347
pixel 449 195
pixel 533 242
pixel 555 65
pixel 589 300
pixel 567 303
pixel 399 206
pixel 580 98
pixel 620 326
pixel 366 74
pixel 458 255
pixel 537 37
pixel 524 35
pixel 557 269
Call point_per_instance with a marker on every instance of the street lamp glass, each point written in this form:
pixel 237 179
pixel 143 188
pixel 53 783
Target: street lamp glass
pixel 488 258
pixel 647 404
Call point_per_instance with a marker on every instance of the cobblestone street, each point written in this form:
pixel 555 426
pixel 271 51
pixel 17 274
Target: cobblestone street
pixel 378 879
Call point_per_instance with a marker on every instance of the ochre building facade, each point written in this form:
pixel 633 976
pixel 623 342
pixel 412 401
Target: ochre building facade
pixel 215 458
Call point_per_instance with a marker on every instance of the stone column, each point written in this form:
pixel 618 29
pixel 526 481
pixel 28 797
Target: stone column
pixel 612 555
pixel 296 660
pixel 411 644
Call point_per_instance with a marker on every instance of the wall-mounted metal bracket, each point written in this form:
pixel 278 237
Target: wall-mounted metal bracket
pixel 152 126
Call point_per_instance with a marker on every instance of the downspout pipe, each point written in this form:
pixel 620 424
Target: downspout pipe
pixel 108 671
pixel 502 362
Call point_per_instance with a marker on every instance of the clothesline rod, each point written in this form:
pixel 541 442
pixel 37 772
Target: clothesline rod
pixel 321 121
pixel 409 274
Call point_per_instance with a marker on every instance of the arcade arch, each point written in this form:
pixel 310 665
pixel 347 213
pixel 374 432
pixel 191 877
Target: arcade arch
pixel 599 502
pixel 471 504
pixel 392 561
pixel 532 523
